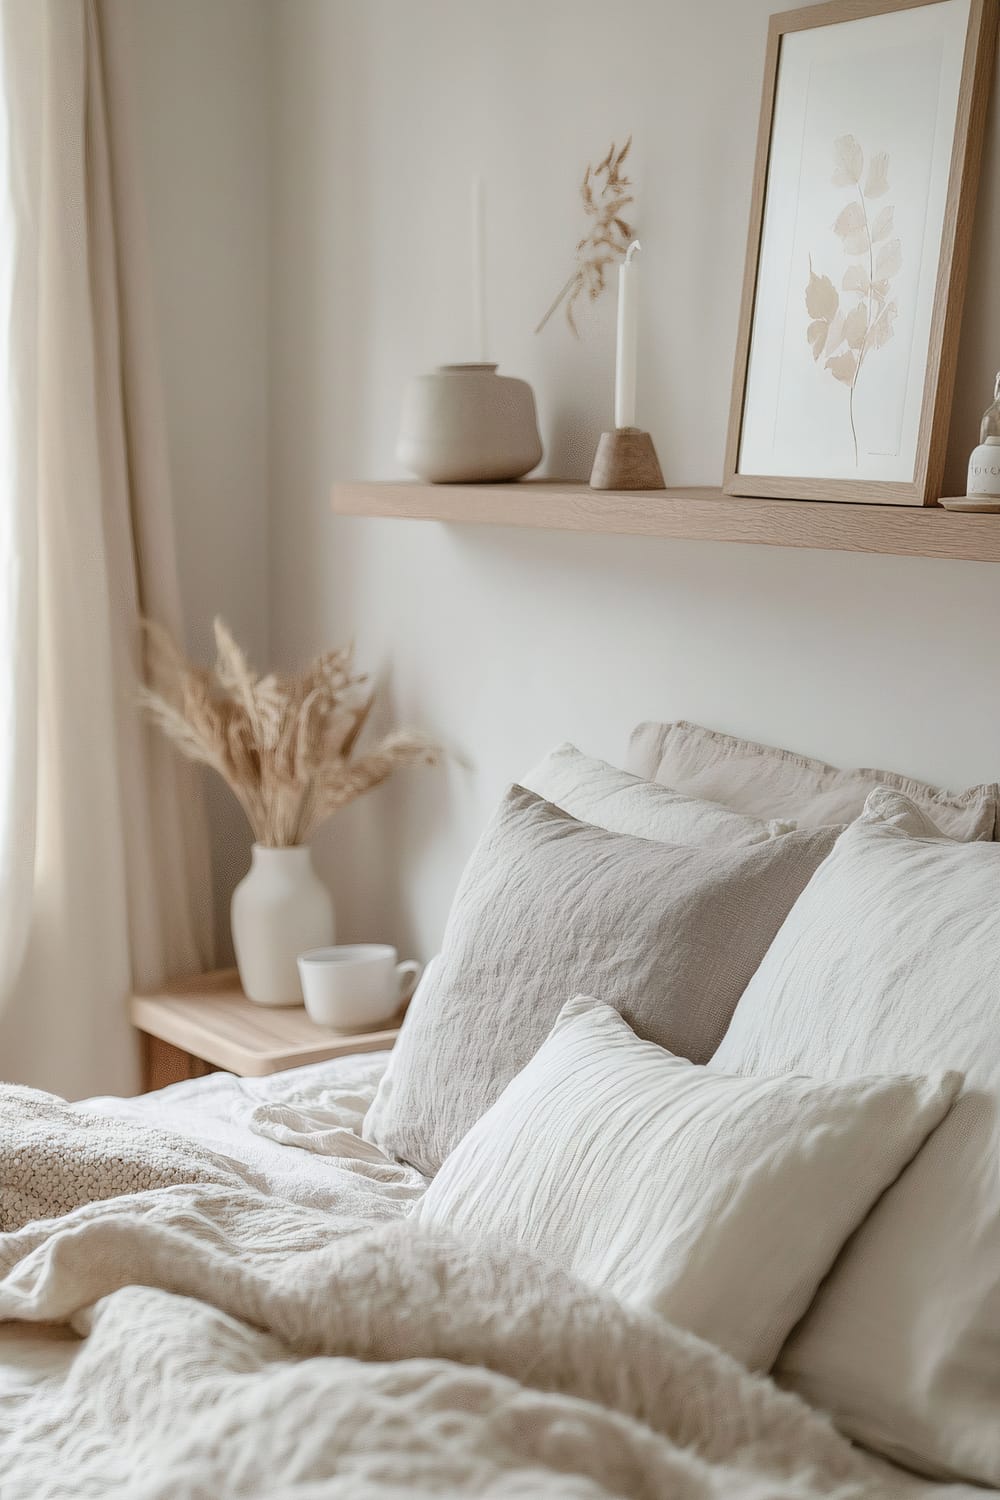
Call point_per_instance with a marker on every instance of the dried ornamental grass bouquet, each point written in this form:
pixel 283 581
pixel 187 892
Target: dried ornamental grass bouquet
pixel 284 745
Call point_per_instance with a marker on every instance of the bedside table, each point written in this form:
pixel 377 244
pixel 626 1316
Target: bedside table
pixel 199 1025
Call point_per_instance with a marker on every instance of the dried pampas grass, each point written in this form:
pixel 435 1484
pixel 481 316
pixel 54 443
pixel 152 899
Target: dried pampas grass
pixel 283 745
pixel 605 193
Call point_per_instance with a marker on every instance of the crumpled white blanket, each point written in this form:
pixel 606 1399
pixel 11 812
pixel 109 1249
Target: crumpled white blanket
pixel 251 1121
pixel 328 1124
pixel 234 1343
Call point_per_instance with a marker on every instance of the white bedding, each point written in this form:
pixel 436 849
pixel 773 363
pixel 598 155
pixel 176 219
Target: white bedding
pixel 219 1111
pixel 654 1413
pixel 255 1120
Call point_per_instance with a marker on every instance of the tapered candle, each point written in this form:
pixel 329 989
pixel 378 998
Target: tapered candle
pixel 627 345
pixel 479 268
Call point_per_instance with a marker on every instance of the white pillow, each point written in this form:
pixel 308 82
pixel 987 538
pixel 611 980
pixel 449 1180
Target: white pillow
pixel 720 1202
pixel 890 959
pixel 597 793
pixel 765 782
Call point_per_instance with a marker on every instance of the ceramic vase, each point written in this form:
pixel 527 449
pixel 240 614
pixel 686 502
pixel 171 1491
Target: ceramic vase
pixel 465 424
pixel 280 909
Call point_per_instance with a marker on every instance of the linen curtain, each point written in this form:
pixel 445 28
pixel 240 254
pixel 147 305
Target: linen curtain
pixel 104 880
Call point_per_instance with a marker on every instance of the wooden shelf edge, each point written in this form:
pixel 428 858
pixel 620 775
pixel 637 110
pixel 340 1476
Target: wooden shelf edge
pixel 691 514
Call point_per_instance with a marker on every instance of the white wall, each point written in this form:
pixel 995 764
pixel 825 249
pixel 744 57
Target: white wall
pixel 204 113
pixel 504 642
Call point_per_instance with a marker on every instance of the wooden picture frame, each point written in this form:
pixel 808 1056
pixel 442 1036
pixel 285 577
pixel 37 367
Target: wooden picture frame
pixel 929 400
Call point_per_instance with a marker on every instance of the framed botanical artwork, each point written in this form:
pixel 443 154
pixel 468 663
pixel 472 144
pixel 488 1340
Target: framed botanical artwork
pixel 867 163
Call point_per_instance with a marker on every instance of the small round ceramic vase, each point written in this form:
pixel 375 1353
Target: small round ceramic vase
pixel 465 424
pixel 280 909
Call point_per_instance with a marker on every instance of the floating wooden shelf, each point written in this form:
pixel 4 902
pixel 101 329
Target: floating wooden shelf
pixel 704 515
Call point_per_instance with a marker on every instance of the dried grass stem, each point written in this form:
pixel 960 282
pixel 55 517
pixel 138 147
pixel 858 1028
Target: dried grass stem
pixel 605 194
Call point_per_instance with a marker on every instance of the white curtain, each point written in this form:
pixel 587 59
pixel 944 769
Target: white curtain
pixel 104 880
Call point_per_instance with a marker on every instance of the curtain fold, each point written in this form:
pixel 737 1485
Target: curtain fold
pixel 110 887
pixel 20 177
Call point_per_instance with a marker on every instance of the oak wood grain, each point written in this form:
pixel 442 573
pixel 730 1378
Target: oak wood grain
pixel 691 514
pixel 626 460
pixel 163 1064
pixel 210 1019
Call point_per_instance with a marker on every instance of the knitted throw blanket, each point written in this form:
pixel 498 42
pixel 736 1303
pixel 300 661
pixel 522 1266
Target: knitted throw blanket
pixel 54 1157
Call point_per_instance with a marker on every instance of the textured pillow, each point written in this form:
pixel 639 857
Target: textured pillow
pixel 889 960
pixel 549 906
pixel 767 783
pixel 719 1202
pixel 598 793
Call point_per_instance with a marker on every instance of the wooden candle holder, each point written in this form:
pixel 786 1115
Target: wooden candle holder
pixel 626 460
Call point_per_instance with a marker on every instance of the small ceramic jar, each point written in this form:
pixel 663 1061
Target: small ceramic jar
pixel 984 469
pixel 465 424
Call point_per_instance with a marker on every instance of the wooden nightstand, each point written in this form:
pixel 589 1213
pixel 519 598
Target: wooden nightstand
pixel 199 1025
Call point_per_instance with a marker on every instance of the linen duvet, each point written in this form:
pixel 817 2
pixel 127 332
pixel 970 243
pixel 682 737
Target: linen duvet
pixel 214 1291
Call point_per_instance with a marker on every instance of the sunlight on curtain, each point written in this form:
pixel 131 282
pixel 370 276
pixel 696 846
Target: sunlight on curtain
pixel 103 866
pixel 9 582
pixel 17 520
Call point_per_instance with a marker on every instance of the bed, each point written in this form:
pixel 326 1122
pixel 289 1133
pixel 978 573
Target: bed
pixel 454 1411
pixel 229 1288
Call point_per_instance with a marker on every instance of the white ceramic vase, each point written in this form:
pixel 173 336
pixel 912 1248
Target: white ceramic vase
pixel 280 909
pixel 465 424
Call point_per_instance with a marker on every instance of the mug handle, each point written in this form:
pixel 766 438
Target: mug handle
pixel 408 975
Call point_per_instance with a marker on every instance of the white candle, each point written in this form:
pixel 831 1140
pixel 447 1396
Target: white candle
pixel 479 268
pixel 625 356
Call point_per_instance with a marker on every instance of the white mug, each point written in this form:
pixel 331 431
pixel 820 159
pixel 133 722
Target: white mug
pixel 356 986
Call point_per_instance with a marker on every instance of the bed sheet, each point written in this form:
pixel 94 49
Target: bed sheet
pixel 253 1120
pixel 314 1110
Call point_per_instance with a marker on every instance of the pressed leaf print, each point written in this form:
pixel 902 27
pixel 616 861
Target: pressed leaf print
pixel 849 162
pixel 844 333
pixel 877 181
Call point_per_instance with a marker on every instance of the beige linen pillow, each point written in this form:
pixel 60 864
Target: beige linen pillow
pixel 719 1202
pixel 548 905
pixel 598 793
pixel 764 782
pixel 889 961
